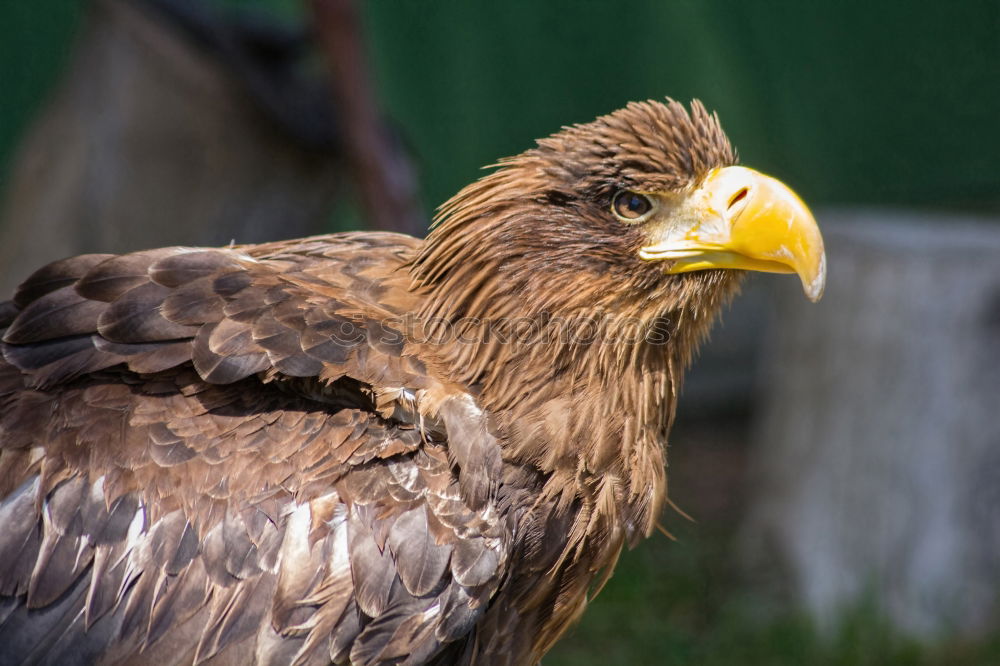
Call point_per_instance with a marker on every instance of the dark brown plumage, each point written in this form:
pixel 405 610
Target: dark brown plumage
pixel 360 447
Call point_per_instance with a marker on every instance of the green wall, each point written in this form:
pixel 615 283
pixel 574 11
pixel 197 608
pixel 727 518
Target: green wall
pixel 851 102
pixel 35 42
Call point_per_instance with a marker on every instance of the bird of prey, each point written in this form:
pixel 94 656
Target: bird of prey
pixel 368 448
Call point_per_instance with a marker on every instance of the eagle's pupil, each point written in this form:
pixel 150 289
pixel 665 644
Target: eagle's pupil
pixel 631 205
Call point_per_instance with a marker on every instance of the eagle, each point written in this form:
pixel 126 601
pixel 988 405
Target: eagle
pixel 369 448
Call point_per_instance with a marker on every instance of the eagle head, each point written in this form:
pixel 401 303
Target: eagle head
pixel 644 203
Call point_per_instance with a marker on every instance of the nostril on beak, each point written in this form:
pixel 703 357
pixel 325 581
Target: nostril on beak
pixel 738 197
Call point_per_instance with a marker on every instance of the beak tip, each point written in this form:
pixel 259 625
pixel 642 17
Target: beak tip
pixel 816 285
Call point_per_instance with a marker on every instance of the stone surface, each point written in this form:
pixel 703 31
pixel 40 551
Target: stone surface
pixel 876 456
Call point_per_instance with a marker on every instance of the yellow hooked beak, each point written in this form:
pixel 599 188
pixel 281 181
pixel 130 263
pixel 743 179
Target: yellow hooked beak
pixel 739 218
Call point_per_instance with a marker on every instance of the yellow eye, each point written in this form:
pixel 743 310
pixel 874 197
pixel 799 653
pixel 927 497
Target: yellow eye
pixel 631 206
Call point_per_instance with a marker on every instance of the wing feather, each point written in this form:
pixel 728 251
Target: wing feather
pixel 220 453
pixel 54 276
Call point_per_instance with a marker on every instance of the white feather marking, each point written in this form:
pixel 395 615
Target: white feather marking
pixel 81 548
pixel 135 528
pixel 431 611
pixel 97 492
pixel 295 546
pixel 340 560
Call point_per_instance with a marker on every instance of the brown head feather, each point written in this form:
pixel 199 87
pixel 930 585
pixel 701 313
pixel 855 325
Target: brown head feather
pixel 541 224
pixel 536 238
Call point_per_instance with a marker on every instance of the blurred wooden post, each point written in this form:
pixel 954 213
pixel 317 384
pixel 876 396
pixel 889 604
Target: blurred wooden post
pixel 148 141
pixel 877 456
pixel 383 175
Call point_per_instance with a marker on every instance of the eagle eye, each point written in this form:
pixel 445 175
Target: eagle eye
pixel 631 206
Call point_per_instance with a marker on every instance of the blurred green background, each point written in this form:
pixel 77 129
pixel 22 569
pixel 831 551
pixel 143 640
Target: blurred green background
pixel 858 103
pixel 876 102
